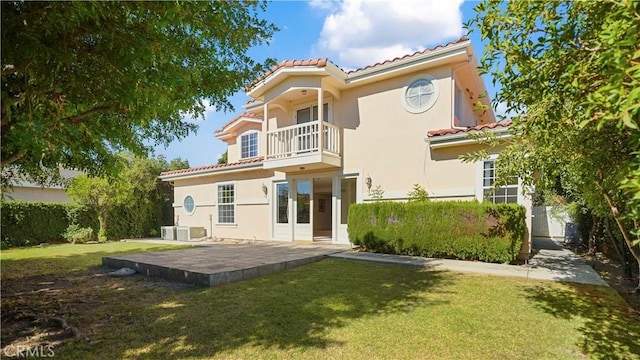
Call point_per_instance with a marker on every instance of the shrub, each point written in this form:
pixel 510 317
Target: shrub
pixel 30 223
pixel 78 235
pixel 463 230
pixel 418 194
pixel 25 224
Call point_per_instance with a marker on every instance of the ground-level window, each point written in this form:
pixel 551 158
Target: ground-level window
pixel 505 194
pixel 303 203
pixel 226 204
pixel 189 204
pixel 249 145
pixel 282 198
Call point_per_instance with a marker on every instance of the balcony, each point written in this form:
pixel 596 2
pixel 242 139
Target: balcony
pixel 300 147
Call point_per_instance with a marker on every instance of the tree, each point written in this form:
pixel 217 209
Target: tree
pixel 82 81
pixel 100 194
pixel 572 69
pixel 223 158
pixel 133 204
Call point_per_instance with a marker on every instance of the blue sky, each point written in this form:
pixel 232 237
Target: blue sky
pixel 351 33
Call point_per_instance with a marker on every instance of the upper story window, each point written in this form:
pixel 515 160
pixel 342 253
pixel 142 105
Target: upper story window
pixel 310 113
pixel 420 93
pixel 504 194
pixel 249 145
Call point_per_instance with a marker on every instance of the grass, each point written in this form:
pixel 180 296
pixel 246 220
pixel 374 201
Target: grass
pixel 333 309
pixel 61 259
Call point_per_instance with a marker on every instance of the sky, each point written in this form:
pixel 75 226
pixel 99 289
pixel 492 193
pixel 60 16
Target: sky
pixel 350 33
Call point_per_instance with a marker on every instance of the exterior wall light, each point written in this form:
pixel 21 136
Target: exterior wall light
pixel 368 182
pixel 265 190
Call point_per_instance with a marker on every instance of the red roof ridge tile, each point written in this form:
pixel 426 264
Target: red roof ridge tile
pixel 450 131
pixel 244 114
pixel 318 62
pixel 425 51
pixel 212 167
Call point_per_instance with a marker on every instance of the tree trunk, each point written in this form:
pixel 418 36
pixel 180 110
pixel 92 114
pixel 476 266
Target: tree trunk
pixel 102 233
pixel 625 233
pixel 592 234
pixel 626 267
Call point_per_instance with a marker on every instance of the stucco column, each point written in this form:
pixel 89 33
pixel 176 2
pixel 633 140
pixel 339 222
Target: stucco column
pixel 265 130
pixel 320 117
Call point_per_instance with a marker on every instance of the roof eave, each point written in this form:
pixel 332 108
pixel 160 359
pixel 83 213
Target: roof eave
pixel 410 62
pixel 444 141
pixel 201 173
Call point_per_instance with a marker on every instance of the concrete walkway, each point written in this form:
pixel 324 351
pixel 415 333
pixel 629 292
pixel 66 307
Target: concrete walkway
pixel 214 263
pixel 551 262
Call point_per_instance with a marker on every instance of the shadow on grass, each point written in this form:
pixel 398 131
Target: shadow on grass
pixel 292 311
pixel 66 258
pixel 610 329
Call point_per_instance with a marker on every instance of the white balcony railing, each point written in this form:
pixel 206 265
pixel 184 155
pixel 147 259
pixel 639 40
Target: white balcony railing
pixel 302 139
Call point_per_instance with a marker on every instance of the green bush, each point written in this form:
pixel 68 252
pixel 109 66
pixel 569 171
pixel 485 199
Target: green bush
pixel 24 224
pixel 462 230
pixel 30 223
pixel 78 235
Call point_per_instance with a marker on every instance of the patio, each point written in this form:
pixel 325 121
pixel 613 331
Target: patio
pixel 220 264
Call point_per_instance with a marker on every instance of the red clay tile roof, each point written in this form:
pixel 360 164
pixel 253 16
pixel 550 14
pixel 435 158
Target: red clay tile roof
pixel 319 63
pixel 462 39
pixel 244 114
pixel 441 132
pixel 213 167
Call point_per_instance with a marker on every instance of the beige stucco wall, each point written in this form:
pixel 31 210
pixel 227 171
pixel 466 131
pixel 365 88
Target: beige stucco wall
pixel 252 210
pixel 386 142
pixel 37 194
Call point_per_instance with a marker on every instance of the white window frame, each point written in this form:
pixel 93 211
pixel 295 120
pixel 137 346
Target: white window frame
pixel 248 133
pixel 184 208
pixel 480 187
pixel 310 106
pixel 234 204
pixel 429 104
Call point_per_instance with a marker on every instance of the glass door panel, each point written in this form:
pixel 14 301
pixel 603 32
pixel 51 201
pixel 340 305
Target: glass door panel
pixel 303 203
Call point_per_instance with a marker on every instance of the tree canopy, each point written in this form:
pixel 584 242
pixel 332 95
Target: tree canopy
pixel 82 81
pixel 571 70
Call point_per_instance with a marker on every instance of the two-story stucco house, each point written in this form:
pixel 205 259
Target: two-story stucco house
pixel 315 139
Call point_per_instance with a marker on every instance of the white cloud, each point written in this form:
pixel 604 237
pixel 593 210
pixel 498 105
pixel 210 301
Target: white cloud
pixel 324 4
pixel 209 110
pixel 358 32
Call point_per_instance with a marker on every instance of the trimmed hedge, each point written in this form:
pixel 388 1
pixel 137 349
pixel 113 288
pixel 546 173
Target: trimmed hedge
pixel 452 229
pixel 32 223
pixel 24 224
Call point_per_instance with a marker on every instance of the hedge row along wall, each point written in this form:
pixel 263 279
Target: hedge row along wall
pixel 30 223
pixel 461 230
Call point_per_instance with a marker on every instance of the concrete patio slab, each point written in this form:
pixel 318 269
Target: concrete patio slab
pixel 222 263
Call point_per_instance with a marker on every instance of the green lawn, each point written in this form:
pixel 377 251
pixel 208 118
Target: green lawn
pixel 333 309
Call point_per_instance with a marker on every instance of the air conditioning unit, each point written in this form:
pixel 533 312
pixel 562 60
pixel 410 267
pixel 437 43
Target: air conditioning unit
pixel 168 232
pixel 186 233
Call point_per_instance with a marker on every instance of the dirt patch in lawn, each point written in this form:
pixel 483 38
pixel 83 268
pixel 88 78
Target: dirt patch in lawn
pixel 42 312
